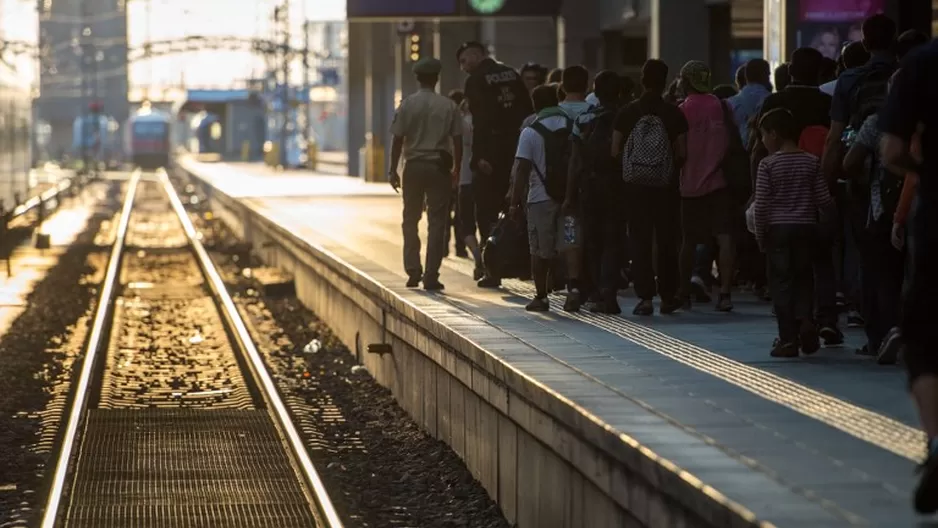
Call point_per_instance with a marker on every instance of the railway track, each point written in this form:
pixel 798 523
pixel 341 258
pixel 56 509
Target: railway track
pixel 175 421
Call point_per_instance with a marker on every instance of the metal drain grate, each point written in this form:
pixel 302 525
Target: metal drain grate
pixel 181 468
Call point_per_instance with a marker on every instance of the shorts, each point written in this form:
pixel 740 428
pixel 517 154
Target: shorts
pixel 709 215
pixel 466 221
pixel 546 230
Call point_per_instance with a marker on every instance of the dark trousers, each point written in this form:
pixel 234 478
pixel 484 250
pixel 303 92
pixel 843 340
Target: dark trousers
pixel 489 191
pixel 883 271
pixel 455 226
pixel 654 217
pixel 918 321
pixel 790 255
pixel 603 233
pixel 825 281
pixel 425 182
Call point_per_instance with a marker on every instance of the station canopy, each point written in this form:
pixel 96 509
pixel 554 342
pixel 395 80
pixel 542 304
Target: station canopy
pixel 449 9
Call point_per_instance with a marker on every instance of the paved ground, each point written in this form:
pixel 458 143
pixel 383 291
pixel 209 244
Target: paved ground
pixel 835 429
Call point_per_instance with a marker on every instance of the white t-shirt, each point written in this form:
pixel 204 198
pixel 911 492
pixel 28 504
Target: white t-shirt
pixel 465 173
pixel 531 148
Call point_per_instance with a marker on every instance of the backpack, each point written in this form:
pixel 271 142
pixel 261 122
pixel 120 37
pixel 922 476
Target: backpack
pixel 813 139
pixel 556 157
pixel 597 143
pixel 647 158
pixel 872 88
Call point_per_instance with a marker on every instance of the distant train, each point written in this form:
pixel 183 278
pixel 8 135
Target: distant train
pixel 147 138
pixel 95 136
pixel 15 137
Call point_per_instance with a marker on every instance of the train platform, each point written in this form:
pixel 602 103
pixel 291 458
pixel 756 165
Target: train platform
pixel 699 413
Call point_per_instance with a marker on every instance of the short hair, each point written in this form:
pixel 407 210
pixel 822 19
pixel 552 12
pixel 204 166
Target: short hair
pixel 555 75
pixel 780 121
pixel 456 96
pixel 575 79
pixel 654 75
pixel 607 86
pixel 724 91
pixel 805 65
pixel 782 76
pixel 544 96
pixel 472 44
pixel 741 75
pixel 855 55
pixel 758 71
pixel 909 40
pixel 535 67
pixel 879 33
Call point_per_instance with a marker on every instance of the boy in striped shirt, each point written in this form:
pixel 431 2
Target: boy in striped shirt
pixel 790 193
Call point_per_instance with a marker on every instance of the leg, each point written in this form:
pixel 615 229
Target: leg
pixel 569 245
pixel 640 210
pixel 439 191
pixel 724 227
pixel 825 290
pixel 413 192
pixel 541 241
pixel 667 231
pixel 489 193
pixel 888 294
pixel 802 259
pixel 779 258
pixel 467 221
pixel 694 229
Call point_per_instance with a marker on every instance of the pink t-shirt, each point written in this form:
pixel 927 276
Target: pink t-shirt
pixel 706 146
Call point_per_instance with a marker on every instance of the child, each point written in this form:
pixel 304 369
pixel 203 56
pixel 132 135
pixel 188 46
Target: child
pixel 790 192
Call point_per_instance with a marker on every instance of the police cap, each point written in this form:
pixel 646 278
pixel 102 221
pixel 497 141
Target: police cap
pixel 428 66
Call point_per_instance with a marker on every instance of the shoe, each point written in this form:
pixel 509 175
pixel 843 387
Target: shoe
pixel 725 304
pixel 413 282
pixel 434 285
pixel 926 492
pixel 699 289
pixel 477 274
pixel 888 352
pixel 573 302
pixel 489 282
pixel 855 320
pixel 840 301
pixel 538 304
pixel 669 306
pixel 784 350
pixel 644 307
pixel 808 335
pixel 864 351
pixel 831 335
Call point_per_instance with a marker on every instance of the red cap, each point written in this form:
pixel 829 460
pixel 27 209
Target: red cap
pixel 95 106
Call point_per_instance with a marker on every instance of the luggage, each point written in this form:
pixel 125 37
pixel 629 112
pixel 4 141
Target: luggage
pixel 506 254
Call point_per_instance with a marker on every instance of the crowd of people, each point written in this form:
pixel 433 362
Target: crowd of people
pixel 795 185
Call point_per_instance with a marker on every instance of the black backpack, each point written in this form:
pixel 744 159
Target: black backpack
pixel 597 143
pixel 872 88
pixel 557 157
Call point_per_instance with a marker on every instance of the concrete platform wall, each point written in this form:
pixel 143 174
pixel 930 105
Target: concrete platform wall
pixel 546 461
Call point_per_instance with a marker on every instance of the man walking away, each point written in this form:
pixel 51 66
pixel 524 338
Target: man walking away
pixel 747 103
pixel 540 167
pixel 465 203
pixel 498 101
pixel 427 129
pixel 790 192
pixel 706 201
pixel 650 138
pixel 910 105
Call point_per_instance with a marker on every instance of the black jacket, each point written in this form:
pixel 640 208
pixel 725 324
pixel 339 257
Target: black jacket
pixel 499 102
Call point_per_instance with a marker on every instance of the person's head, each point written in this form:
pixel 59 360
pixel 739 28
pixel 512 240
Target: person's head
pixel 725 91
pixel 828 70
pixel 879 33
pixel 855 55
pixel 533 75
pixel 607 87
pixel 827 41
pixel 470 54
pixel 427 71
pixel 741 76
pixel 557 87
pixel 654 76
pixel 805 66
pixel 777 128
pixel 544 96
pixel 695 78
pixel 555 75
pixel 758 71
pixel 575 81
pixel 782 77
pixel 908 41
pixel 458 97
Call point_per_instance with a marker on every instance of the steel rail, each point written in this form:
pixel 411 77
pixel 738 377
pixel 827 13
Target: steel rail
pixel 95 337
pixel 267 385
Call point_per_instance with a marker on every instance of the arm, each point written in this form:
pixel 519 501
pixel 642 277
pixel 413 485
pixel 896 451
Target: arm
pixel 618 141
pixel 573 172
pixel 520 173
pixel 397 142
pixel 909 188
pixel 834 147
pixel 761 203
pixel 822 194
pixel 457 132
pixel 397 146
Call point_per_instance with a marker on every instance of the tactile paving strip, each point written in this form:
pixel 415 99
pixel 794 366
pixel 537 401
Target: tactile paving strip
pixel 168 468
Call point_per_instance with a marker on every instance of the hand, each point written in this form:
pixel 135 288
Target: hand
pixel 395 180
pixel 456 174
pixel 898 236
pixel 566 207
pixel 485 167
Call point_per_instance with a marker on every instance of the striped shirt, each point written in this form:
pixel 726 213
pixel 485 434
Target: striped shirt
pixel 789 190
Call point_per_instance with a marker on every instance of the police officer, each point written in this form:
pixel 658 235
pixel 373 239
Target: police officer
pixel 427 130
pixel 499 102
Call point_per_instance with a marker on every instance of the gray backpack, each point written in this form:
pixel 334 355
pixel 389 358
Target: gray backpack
pixel 647 158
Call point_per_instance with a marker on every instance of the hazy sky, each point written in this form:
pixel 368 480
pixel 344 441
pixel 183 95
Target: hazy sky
pixel 174 19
